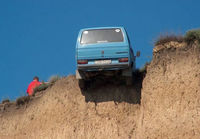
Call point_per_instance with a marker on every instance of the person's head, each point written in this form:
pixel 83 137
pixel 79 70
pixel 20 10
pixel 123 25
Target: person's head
pixel 36 78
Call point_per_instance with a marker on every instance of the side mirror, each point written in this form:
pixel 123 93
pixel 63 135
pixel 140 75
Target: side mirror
pixel 138 54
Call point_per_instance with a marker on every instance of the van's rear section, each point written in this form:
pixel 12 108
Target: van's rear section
pixel 104 50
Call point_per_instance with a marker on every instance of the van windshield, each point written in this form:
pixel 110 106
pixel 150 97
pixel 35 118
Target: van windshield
pixel 102 36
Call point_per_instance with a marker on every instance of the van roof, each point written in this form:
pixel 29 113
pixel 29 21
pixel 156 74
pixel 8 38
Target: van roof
pixel 100 28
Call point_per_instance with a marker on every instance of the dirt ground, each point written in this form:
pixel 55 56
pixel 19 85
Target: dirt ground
pixel 170 100
pixel 165 105
pixel 65 111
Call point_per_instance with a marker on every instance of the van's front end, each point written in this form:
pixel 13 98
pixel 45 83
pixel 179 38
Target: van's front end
pixel 103 49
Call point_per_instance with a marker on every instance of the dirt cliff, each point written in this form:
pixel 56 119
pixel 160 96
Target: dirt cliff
pixel 64 111
pixel 166 104
pixel 170 100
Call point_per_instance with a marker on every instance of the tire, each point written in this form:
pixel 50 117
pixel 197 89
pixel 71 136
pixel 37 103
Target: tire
pixel 129 81
pixel 82 84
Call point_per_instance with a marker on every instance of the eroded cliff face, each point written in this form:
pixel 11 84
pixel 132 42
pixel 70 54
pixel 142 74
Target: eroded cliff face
pixel 66 112
pixel 170 104
pixel 167 106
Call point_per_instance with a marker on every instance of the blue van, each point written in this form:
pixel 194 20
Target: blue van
pixel 104 50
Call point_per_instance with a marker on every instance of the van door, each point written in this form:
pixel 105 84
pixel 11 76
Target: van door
pixel 103 44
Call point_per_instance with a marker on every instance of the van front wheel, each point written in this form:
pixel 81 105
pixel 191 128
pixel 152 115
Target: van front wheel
pixel 129 81
pixel 82 83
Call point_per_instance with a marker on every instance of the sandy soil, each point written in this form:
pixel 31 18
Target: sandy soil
pixel 167 106
pixel 64 111
pixel 170 104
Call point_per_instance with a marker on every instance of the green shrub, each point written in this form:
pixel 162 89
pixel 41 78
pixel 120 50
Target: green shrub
pixel 41 87
pixel 192 35
pixel 164 38
pixel 44 86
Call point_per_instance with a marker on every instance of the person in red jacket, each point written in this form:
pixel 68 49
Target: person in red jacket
pixel 32 85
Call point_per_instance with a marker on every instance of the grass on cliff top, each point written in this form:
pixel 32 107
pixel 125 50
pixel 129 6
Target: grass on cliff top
pixel 22 100
pixel 164 38
pixel 5 101
pixel 25 99
pixel 190 37
pixel 52 80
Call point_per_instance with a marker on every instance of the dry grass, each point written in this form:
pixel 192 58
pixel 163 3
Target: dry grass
pixel 25 99
pixel 54 79
pixel 190 37
pixel 22 100
pixel 5 101
pixel 165 38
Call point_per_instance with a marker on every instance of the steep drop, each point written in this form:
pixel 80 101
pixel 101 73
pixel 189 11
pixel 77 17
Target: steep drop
pixel 64 111
pixel 170 104
pixel 167 106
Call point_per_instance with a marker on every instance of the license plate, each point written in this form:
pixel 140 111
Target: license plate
pixel 101 62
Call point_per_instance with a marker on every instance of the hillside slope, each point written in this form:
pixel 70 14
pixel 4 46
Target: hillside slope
pixel 167 106
pixel 64 111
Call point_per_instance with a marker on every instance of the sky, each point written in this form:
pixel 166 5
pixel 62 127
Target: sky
pixel 38 37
